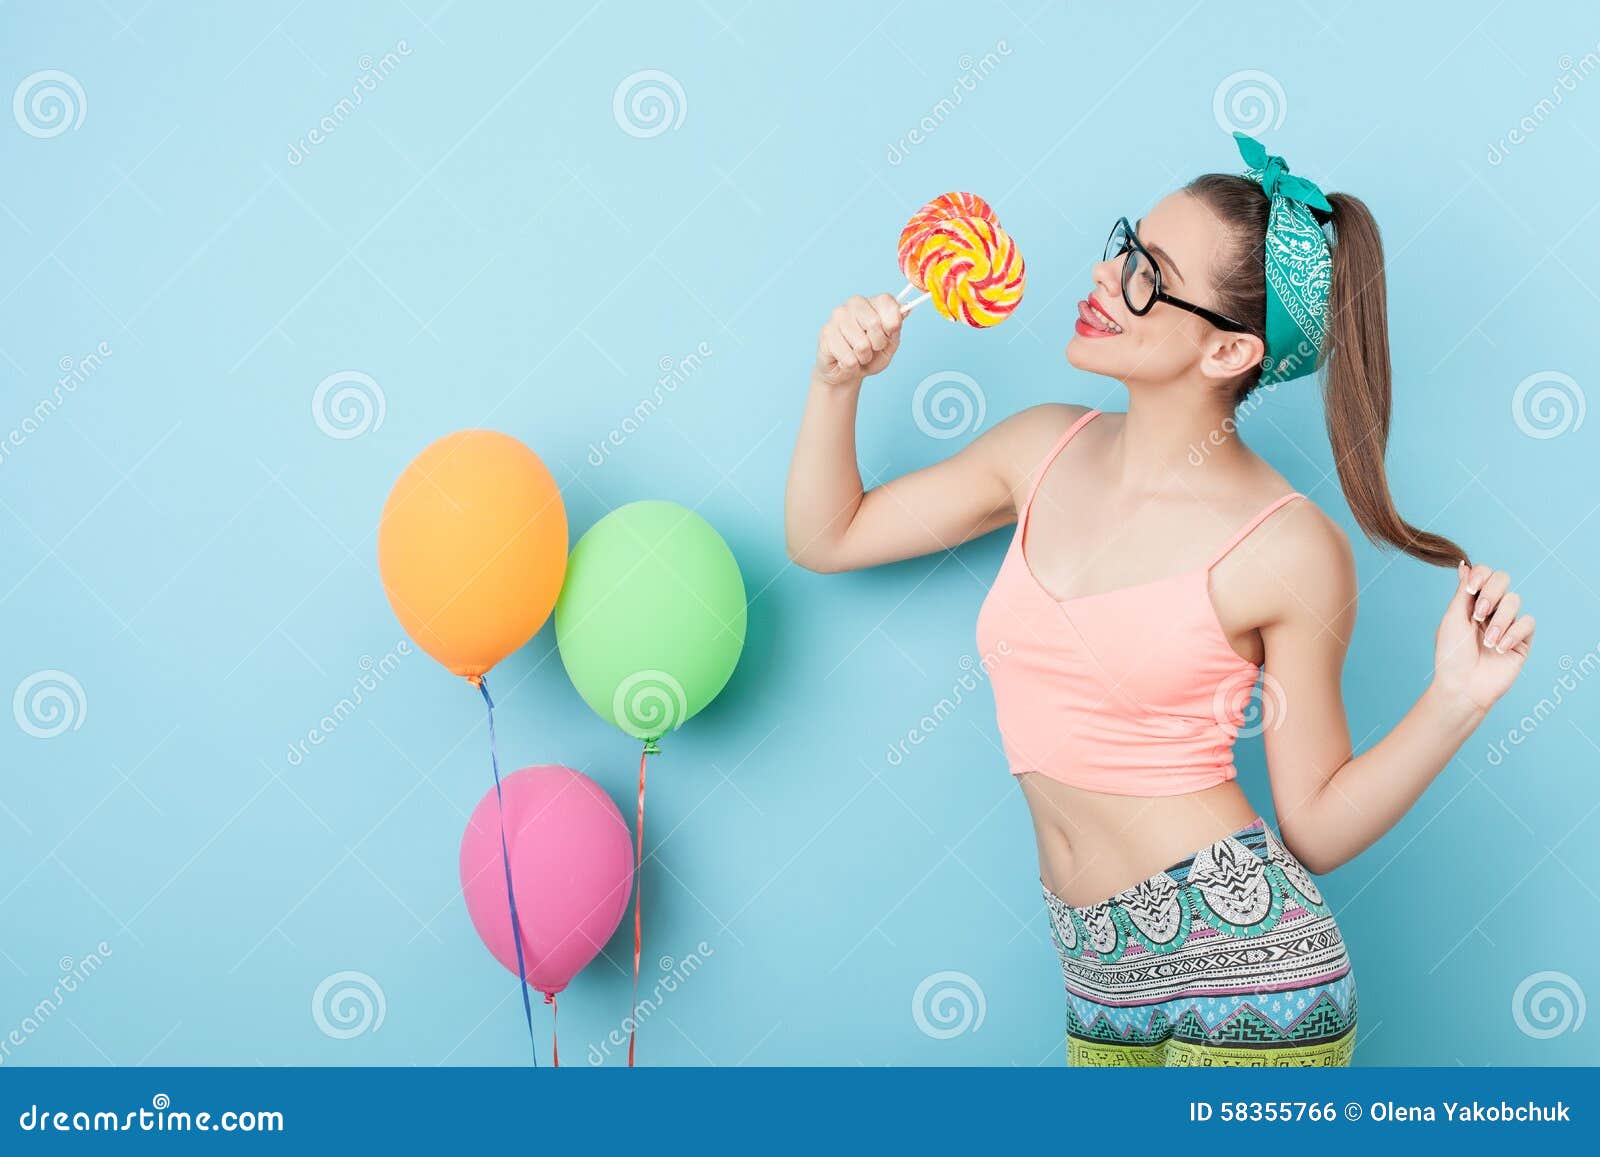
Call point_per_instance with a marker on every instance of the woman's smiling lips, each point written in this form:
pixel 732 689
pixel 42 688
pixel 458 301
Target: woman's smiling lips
pixel 1094 321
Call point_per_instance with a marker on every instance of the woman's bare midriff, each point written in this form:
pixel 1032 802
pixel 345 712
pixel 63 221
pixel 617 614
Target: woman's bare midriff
pixel 1092 844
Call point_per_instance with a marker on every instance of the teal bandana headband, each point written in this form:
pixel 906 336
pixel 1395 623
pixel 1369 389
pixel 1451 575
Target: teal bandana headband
pixel 1299 265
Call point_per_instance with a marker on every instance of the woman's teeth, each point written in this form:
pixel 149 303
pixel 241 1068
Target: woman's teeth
pixel 1093 317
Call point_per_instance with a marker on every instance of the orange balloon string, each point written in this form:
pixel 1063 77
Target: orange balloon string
pixel 638 888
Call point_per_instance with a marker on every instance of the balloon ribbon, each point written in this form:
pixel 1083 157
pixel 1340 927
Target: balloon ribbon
pixel 650 748
pixel 555 1046
pixel 505 859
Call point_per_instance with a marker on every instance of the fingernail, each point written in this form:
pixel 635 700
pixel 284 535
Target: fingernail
pixel 1490 636
pixel 1501 649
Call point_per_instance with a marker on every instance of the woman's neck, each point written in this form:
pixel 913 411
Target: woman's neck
pixel 1173 431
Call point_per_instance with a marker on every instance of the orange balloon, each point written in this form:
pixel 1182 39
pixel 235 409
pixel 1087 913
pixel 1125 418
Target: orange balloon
pixel 472 547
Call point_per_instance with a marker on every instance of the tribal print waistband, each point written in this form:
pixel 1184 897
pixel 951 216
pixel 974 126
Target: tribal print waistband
pixel 1229 957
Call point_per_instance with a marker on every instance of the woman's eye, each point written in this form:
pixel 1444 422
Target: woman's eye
pixel 1146 276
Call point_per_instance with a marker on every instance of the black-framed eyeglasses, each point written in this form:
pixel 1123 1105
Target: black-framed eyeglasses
pixel 1141 280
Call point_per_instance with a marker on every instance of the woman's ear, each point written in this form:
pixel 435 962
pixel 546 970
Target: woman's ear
pixel 1229 355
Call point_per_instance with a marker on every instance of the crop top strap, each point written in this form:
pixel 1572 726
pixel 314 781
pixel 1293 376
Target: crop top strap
pixel 1038 475
pixel 1239 535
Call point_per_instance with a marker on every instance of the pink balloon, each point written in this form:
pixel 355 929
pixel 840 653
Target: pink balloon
pixel 571 867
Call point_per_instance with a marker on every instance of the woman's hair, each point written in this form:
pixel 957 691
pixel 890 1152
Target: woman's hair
pixel 1356 382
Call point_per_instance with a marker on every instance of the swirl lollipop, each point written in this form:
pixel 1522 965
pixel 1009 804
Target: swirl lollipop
pixel 972 270
pixel 941 208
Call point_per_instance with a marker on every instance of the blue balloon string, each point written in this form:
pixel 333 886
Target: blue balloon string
pixel 505 859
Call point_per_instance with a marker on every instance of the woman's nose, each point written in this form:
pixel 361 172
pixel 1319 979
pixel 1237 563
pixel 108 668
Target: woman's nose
pixel 1107 274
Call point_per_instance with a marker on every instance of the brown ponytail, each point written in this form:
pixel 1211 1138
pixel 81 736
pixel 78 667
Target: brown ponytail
pixel 1357 378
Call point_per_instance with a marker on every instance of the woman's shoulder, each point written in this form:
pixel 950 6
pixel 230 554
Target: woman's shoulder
pixel 1037 428
pixel 1018 443
pixel 1308 558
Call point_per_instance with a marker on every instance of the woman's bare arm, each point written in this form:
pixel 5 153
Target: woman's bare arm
pixel 1332 804
pixel 830 522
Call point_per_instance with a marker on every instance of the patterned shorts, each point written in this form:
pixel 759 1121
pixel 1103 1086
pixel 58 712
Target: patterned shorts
pixel 1229 957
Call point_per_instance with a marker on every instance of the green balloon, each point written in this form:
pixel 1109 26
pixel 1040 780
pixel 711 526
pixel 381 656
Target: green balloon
pixel 651 617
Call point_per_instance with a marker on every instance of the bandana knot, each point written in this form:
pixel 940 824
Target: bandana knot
pixel 1299 264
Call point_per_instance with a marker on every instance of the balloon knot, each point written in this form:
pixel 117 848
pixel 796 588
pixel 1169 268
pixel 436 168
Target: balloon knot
pixel 549 998
pixel 651 747
pixel 475 680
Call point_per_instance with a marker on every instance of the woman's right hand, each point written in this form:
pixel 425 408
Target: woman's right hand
pixel 858 340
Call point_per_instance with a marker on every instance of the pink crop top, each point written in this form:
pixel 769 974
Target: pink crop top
pixel 1134 691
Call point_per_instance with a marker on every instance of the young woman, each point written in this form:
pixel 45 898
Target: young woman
pixel 1158 568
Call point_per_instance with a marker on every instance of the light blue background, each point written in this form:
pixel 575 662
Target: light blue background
pixel 483 239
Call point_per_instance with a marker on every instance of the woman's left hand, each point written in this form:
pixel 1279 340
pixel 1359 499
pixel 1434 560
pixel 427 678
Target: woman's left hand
pixel 1483 639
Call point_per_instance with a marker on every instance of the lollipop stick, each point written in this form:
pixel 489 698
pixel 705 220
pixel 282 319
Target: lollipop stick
pixel 901 296
pixel 913 303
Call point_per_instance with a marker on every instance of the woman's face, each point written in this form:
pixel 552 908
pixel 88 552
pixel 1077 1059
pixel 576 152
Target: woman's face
pixel 1189 243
